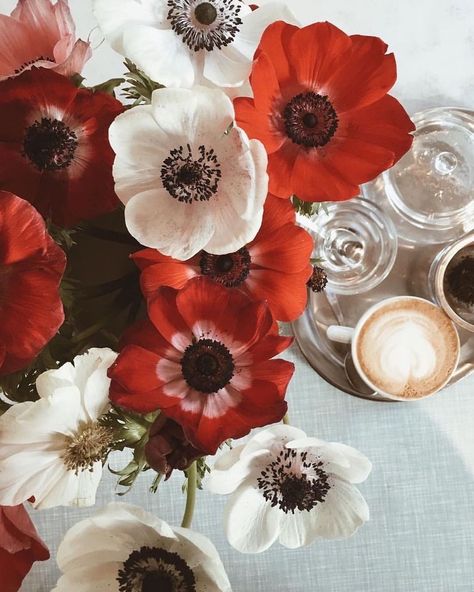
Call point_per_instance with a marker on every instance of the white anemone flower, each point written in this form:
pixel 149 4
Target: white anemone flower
pixel 124 549
pixel 189 177
pixel 182 43
pixel 52 449
pixel 289 487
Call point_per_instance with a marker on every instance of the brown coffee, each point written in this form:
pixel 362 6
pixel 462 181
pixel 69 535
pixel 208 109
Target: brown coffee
pixel 407 348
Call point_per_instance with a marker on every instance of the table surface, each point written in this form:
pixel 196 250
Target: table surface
pixel 421 534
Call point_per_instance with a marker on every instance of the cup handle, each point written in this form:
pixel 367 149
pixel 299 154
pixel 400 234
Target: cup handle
pixel 340 334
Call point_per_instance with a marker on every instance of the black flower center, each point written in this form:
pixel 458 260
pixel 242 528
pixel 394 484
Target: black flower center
pixel 294 482
pixel 151 569
pixel 207 365
pixel 205 25
pixel 157 582
pixel 188 177
pixel 205 13
pixel 229 270
pixel 310 120
pixel 50 144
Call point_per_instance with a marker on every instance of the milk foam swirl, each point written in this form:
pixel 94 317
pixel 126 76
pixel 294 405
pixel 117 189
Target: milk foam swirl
pixel 407 349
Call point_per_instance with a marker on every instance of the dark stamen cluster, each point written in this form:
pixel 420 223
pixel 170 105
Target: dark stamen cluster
pixel 151 569
pixel 229 270
pixel 291 489
pixel 207 365
pixel 188 178
pixel 50 144
pixel 32 62
pixel 205 25
pixel 318 280
pixel 310 120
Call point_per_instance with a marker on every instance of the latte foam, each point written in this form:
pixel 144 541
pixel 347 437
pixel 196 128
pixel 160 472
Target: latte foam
pixel 408 348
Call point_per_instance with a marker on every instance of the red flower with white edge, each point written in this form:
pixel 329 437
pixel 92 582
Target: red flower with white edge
pixel 40 33
pixel 20 546
pixel 205 361
pixel 322 110
pixel 54 146
pixel 31 267
pixel 273 267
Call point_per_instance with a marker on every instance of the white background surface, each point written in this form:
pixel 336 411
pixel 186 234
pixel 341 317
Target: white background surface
pixel 421 492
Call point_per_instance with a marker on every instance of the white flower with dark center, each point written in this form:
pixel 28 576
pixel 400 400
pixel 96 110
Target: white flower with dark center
pixel 181 43
pixel 53 449
pixel 124 549
pixel 289 487
pixel 189 177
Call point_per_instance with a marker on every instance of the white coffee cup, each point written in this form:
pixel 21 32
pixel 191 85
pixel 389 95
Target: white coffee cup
pixel 405 348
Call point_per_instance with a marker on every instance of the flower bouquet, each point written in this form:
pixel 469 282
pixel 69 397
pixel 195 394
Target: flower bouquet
pixel 149 247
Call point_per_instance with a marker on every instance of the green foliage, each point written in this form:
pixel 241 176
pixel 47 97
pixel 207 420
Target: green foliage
pixel 141 86
pixel 308 208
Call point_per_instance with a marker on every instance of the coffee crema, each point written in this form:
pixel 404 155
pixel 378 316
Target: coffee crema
pixel 408 348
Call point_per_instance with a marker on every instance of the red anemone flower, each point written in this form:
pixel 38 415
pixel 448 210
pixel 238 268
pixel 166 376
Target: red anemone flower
pixel 205 361
pixel 273 267
pixel 322 111
pixel 54 146
pixel 31 267
pixel 20 546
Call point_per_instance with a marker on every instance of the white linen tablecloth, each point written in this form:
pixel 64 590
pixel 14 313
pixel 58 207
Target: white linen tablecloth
pixel 421 492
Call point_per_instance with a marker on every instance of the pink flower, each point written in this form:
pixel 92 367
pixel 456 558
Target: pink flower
pixel 41 34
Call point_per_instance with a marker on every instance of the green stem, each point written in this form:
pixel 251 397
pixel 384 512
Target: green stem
pixel 286 419
pixel 191 474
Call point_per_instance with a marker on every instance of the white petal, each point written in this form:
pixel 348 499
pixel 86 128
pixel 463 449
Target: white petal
pixel 256 22
pixel 135 138
pixel 275 436
pixel 92 379
pixel 239 202
pixel 359 466
pixel 202 115
pixel 29 473
pixel 226 67
pixel 246 469
pixel 298 530
pixel 101 577
pixel 177 229
pixel 114 17
pixel 161 54
pixel 225 460
pixel 251 524
pixel 343 511
pixel 49 381
pixel 133 179
pixel 116 529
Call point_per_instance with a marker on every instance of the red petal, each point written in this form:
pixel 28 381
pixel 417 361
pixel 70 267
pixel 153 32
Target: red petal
pixel 317 52
pixel 286 293
pixel 287 249
pixel 257 124
pixel 276 213
pixel 202 302
pixel 26 237
pixel 385 124
pixel 269 347
pixel 280 170
pixel 144 334
pixel 173 274
pixel 313 181
pixel 166 318
pixel 367 75
pixel 275 372
pixel 135 370
pixel 275 42
pixel 31 310
pixel 20 546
